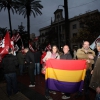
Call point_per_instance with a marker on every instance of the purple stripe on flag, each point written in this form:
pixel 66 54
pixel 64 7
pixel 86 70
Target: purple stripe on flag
pixel 66 87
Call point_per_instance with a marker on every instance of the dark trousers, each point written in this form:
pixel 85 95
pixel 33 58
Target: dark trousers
pixel 31 73
pixel 87 82
pixel 21 67
pixel 47 91
pixel 37 69
pixel 11 80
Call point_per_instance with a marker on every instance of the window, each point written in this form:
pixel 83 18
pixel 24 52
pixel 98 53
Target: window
pixel 74 26
pixel 74 34
pixel 42 34
pixel 58 16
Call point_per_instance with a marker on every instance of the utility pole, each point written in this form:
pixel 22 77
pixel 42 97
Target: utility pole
pixel 67 34
pixel 58 35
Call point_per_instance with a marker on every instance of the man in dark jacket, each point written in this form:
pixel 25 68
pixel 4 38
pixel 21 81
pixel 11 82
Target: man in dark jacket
pixel 37 57
pixel 29 57
pixel 67 56
pixel 95 80
pixel 9 64
pixel 20 58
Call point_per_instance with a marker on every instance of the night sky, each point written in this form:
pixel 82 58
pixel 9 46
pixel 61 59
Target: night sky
pixel 76 7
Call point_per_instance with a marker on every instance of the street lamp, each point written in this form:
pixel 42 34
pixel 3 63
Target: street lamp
pixel 67 34
pixel 58 28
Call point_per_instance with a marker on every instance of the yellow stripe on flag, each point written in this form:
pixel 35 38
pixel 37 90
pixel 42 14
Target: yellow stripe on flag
pixel 65 75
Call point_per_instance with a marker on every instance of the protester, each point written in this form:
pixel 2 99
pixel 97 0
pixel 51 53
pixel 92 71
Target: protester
pixel 37 57
pixel 95 80
pixel 51 55
pixel 9 63
pixel 67 56
pixel 29 58
pixel 87 54
pixel 21 60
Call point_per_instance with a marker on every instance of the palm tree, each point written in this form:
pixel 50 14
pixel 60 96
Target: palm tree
pixel 26 8
pixel 9 5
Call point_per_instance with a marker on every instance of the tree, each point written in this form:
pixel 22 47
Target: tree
pixel 26 8
pixel 21 28
pixel 90 27
pixel 3 31
pixel 9 5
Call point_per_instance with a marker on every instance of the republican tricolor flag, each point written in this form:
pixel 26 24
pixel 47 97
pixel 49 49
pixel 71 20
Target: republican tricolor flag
pixel 65 75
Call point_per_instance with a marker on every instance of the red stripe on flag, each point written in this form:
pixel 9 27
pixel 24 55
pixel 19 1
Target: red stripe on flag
pixel 66 64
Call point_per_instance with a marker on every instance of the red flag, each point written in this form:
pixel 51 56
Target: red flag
pixel 48 47
pixel 13 38
pixel 1 41
pixel 30 47
pixel 7 41
pixel 16 37
pixel 5 46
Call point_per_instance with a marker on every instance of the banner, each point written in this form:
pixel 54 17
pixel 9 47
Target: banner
pixel 93 45
pixel 6 44
pixel 30 47
pixel 48 47
pixel 16 37
pixel 65 75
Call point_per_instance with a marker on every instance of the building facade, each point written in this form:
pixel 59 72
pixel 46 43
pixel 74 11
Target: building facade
pixel 58 26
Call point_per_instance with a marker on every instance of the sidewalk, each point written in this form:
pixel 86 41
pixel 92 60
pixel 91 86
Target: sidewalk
pixel 3 94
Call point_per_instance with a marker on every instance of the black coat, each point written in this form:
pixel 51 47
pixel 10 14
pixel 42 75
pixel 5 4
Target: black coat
pixel 66 56
pixel 37 56
pixel 20 58
pixel 9 63
pixel 29 57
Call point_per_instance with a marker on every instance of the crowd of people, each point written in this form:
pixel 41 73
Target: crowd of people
pixel 33 60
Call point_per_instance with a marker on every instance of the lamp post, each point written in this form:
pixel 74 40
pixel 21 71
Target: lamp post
pixel 67 34
pixel 58 34
pixel 58 28
pixel 66 22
